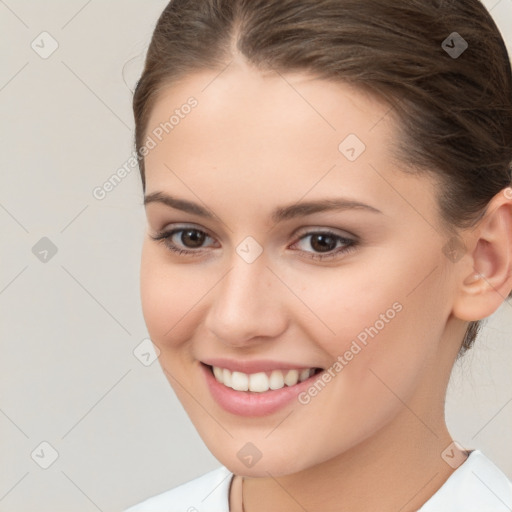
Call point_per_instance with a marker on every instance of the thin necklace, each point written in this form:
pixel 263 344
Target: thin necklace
pixel 243 509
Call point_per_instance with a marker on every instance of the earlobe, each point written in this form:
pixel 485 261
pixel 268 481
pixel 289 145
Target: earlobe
pixel 486 276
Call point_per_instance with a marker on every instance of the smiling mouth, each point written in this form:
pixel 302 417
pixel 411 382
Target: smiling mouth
pixel 261 382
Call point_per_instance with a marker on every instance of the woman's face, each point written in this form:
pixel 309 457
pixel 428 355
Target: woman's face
pixel 276 277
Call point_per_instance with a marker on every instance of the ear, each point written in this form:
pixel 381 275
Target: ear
pixel 485 273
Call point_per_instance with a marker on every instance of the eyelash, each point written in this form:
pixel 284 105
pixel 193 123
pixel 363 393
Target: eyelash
pixel 164 237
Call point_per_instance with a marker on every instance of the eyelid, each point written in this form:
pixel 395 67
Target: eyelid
pixel 299 233
pixel 308 230
pixel 177 229
pixel 349 243
pixel 164 236
pixel 173 228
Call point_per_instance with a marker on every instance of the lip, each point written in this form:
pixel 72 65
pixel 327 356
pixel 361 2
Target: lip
pixel 251 403
pixel 253 366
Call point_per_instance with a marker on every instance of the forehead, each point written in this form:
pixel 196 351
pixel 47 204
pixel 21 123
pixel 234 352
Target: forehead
pixel 284 135
pixel 264 119
pixel 253 104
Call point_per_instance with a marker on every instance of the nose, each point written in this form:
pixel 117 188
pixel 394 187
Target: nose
pixel 247 305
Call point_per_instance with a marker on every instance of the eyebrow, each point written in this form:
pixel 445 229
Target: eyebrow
pixel 279 214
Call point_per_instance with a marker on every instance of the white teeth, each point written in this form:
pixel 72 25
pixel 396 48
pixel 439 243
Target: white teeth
pixel 239 381
pixel 292 377
pixel 226 377
pixel 258 382
pixel 276 380
pixel 305 374
pixel 261 382
pixel 219 373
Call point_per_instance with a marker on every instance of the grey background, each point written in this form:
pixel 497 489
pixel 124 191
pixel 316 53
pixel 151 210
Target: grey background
pixel 70 324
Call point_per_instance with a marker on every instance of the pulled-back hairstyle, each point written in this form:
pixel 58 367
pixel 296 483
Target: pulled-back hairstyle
pixel 454 112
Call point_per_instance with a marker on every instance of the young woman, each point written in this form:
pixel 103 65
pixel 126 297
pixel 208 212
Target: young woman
pixel 327 189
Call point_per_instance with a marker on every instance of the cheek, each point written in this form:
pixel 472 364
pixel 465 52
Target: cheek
pixel 154 294
pixel 349 304
pixel 371 322
pixel 379 352
pixel 167 298
pixel 395 295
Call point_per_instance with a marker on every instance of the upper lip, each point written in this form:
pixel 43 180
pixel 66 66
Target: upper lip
pixel 254 366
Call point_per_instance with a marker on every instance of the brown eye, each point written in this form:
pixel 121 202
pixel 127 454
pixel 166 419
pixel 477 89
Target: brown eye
pixel 322 242
pixel 186 241
pixel 324 245
pixel 192 238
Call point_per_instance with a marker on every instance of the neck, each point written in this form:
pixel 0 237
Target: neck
pixel 400 469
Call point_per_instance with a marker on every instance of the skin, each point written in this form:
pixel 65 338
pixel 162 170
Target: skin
pixel 257 141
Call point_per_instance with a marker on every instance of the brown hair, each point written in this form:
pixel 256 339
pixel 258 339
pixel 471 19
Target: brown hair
pixel 454 111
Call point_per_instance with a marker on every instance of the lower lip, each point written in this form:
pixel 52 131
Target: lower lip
pixel 251 403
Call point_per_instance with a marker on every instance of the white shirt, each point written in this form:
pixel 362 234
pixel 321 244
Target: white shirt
pixel 477 485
